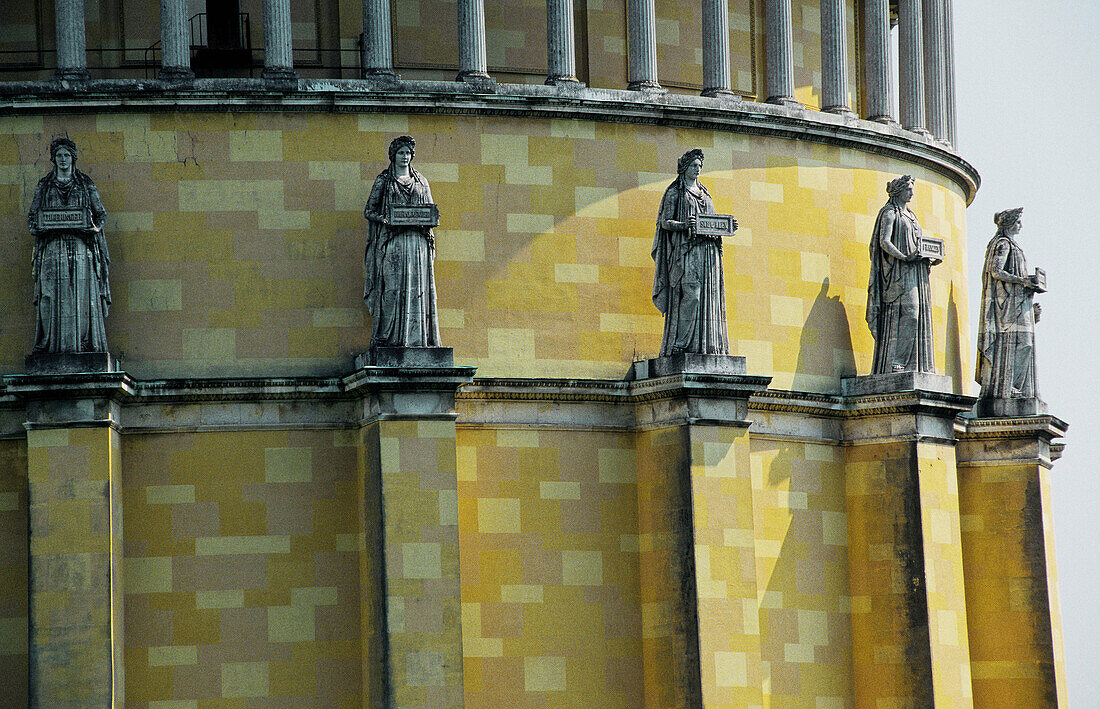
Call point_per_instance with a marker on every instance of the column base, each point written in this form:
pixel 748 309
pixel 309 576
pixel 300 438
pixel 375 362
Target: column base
pixel 283 76
pixel 176 74
pixel 1010 408
pixel 565 82
pixel 382 78
pixel 70 362
pixel 478 79
pixel 72 75
pixel 688 363
pixel 892 382
pixel 919 130
pixel 646 86
pixel 839 110
pixel 787 101
pixel 406 357
pixel 886 120
pixel 721 93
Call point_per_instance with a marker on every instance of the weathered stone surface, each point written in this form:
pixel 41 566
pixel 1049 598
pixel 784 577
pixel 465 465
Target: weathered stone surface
pixel 406 357
pixel 70 362
pixel 1010 408
pixel 894 382
pixel 689 362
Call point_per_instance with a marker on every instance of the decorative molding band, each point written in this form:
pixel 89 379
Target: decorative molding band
pixel 377 393
pixel 511 100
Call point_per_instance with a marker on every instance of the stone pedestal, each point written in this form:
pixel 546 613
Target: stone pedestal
pixel 1010 408
pixel 686 362
pixel 69 362
pixel 1012 606
pixel 895 382
pixel 411 605
pixel 909 632
pixel 695 503
pixel 406 357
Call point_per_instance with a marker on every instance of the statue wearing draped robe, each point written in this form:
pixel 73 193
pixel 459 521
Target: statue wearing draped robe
pixel 899 302
pixel 70 263
pixel 399 260
pixel 1006 325
pixel 688 286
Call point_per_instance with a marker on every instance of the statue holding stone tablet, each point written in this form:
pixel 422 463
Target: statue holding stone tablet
pixel 1006 326
pixel 899 300
pixel 400 254
pixel 70 261
pixel 688 286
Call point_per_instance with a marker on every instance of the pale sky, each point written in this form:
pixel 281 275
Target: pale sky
pixel 1027 114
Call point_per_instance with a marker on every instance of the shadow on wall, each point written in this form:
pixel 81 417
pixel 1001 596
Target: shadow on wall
pixel 825 331
pixel 799 627
pixel 953 360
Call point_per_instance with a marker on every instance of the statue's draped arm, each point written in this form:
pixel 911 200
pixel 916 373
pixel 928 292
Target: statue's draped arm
pixel 997 265
pixel 886 235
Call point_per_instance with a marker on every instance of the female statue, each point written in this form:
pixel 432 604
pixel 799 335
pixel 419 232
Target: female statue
pixel 400 280
pixel 69 263
pixel 899 302
pixel 688 286
pixel 1006 326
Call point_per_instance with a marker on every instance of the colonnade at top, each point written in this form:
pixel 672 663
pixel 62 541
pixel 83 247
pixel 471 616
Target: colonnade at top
pixel 925 73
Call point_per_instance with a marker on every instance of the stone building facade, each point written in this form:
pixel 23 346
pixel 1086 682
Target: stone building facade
pixel 240 516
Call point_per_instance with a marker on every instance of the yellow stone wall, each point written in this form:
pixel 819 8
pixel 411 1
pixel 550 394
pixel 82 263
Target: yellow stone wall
pixel 73 479
pixel 236 242
pixel 241 568
pixel 550 585
pixel 568 535
pixel 13 572
pixel 803 594
pixel 1015 648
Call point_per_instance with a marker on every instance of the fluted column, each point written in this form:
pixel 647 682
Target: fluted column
pixel 834 57
pixel 780 52
pixel 935 67
pixel 472 62
pixel 561 62
pixel 72 55
pixel 952 131
pixel 377 42
pixel 278 54
pixel 911 65
pixel 175 41
pixel 642 36
pixel 716 48
pixel 876 61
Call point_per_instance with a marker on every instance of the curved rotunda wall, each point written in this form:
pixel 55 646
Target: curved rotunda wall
pixel 236 242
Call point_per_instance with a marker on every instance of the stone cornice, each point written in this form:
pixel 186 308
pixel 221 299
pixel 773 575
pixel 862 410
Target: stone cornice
pixel 371 393
pixel 496 99
pixel 1043 426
